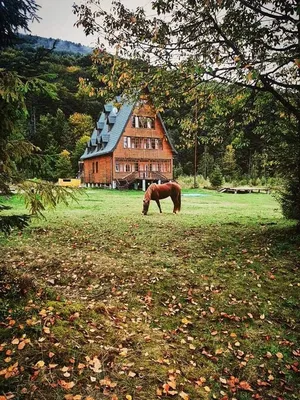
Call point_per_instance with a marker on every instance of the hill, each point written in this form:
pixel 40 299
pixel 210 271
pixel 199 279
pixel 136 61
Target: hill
pixel 62 46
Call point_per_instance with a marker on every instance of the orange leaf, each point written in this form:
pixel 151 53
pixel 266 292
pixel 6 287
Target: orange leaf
pixel 66 385
pixel 244 385
pixel 21 345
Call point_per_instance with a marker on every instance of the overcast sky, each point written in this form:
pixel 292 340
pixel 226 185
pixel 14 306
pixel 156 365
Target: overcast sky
pixel 58 20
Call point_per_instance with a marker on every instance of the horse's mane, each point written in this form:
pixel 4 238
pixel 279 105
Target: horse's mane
pixel 149 191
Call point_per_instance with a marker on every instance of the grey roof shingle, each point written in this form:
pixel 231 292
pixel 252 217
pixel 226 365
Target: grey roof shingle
pixel 115 133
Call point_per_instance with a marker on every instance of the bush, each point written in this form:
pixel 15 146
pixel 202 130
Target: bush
pixel 216 178
pixel 178 171
pixel 187 182
pixel 290 200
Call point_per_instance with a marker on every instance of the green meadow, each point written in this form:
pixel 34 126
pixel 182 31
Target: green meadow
pixel 101 302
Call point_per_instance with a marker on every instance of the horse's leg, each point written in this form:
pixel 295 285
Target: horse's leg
pixel 158 205
pixel 174 204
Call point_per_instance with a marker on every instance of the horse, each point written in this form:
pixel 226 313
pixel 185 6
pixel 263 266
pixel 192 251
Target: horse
pixel 161 191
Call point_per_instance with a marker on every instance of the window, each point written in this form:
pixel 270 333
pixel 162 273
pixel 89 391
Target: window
pixel 126 143
pixel 93 167
pixel 127 168
pixel 139 121
pixel 96 167
pixel 150 123
pixel 117 167
pixel 136 166
pixel 148 143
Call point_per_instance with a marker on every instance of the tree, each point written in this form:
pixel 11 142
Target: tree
pixel 216 177
pixel 81 125
pixel 15 14
pixel 229 162
pixel 252 44
pixel 13 92
pixel 63 165
pixel 78 152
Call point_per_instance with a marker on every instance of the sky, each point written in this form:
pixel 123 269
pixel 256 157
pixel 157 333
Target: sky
pixel 58 20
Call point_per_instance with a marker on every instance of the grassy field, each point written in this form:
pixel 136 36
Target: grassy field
pixel 101 302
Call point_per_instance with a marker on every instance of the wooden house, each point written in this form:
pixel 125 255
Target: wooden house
pixel 129 148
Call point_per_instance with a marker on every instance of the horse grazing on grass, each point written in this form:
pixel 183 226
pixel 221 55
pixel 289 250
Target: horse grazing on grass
pixel 162 191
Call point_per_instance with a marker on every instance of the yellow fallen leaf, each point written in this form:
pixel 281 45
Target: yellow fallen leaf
pixel 40 364
pixel 186 321
pixel 124 352
pixel 172 384
pixel 184 396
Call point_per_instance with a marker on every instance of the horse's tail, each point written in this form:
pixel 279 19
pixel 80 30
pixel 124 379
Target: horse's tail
pixel 179 199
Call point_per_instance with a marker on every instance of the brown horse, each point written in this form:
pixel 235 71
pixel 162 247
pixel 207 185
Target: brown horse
pixel 157 192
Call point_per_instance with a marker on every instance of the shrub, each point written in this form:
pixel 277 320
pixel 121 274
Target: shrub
pixel 216 177
pixel 187 182
pixel 290 200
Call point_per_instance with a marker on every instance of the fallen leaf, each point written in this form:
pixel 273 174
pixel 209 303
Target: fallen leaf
pixel 66 385
pixel 186 321
pixel 21 345
pixel 244 385
pixel 184 396
pixel 40 364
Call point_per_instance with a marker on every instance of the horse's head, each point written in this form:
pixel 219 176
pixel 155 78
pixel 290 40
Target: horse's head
pixel 145 206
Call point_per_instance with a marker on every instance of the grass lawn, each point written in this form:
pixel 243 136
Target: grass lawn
pixel 101 302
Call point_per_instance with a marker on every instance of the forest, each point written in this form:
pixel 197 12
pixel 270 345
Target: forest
pixel 242 134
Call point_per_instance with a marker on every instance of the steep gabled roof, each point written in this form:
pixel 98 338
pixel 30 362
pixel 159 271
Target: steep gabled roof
pixel 118 122
pixel 110 126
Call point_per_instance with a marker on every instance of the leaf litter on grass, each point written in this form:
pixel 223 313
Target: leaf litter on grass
pixel 120 313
